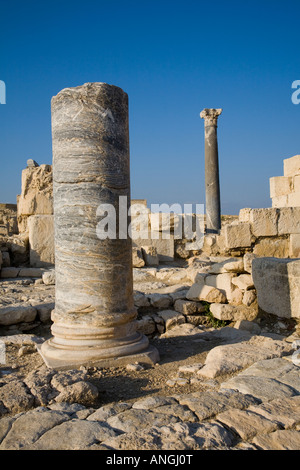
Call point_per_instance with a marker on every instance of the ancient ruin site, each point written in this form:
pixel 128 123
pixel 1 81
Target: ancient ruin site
pixel 180 334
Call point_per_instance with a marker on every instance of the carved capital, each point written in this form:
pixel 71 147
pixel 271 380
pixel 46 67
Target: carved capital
pixel 210 116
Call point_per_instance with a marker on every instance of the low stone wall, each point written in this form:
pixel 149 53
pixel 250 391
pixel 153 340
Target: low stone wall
pixel 271 232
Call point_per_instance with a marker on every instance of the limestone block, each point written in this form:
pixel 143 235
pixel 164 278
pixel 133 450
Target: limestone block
pixel 294 246
pixel 37 192
pixel 264 222
pixel 280 201
pixel 243 282
pixel 272 247
pixel 248 258
pixel 294 199
pixel 150 255
pixel 137 258
pixel 164 247
pixel 207 293
pixel 49 277
pixel 188 307
pixel 277 282
pixel 41 240
pixel 16 314
pixel 296 180
pixel 223 282
pixel 238 235
pixel 291 166
pixel 229 312
pixel 9 272
pixel 234 265
pixel 289 220
pixel 280 185
pixel 244 215
pixel 171 318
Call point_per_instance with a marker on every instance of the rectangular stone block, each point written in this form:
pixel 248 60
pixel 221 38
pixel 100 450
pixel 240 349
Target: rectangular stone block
pixel 280 201
pixel 41 240
pixel 289 220
pixel 238 235
pixel 264 222
pixel 291 166
pixel 281 185
pixel 223 282
pixel 277 282
pixel 294 246
pixel 164 247
pixel 244 215
pixel 294 199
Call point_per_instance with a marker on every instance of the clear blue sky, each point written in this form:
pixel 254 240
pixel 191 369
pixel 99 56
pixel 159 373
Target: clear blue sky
pixel 173 58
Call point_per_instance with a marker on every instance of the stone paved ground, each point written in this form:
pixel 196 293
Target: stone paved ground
pixel 214 388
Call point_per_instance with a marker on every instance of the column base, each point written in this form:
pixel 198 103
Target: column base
pixel 64 359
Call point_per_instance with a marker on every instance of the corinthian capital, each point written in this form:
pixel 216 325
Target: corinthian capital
pixel 210 116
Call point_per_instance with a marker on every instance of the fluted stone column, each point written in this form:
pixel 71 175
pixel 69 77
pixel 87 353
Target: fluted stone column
pixel 212 184
pixel 94 316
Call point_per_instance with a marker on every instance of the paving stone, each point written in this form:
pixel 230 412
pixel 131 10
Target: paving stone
pixel 75 434
pixel 208 404
pixel 30 426
pixel 263 388
pixel 284 411
pixel 133 420
pixel 278 440
pixel 150 403
pixel 246 423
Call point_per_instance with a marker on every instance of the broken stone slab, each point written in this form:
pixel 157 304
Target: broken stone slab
pixel 208 404
pixel 285 411
pixel 223 282
pixel 188 307
pixel 277 282
pixel 31 272
pixel 246 423
pixel 249 326
pixel 9 272
pixel 140 299
pixel 16 314
pixel 263 388
pixel 49 277
pixel 41 240
pixel 150 255
pixel 134 420
pixel 230 265
pixel 74 434
pixel 243 282
pixel 137 258
pixel 227 312
pixel 287 439
pixel 159 300
pixel 230 358
pixel 16 397
pixel 36 423
pixel 279 369
pixel 206 293
pixel 171 318
pixel 248 258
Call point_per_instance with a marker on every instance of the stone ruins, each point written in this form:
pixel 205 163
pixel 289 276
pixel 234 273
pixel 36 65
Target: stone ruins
pixel 102 340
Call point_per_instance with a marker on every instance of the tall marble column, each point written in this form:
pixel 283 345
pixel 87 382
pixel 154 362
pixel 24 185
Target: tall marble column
pixel 94 316
pixel 212 184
